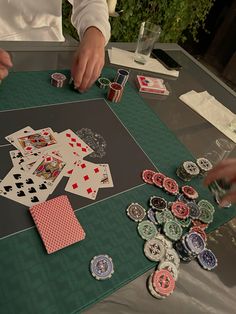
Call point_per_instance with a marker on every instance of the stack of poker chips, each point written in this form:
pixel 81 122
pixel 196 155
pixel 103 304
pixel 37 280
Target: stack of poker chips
pixel 122 77
pixel 204 165
pixel 165 242
pixel 58 79
pixel 187 171
pixel 103 82
pixel 115 91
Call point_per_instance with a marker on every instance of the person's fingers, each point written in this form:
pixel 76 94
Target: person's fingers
pixel 78 69
pixel 88 76
pixel 228 198
pixel 3 72
pixel 5 59
pixel 225 169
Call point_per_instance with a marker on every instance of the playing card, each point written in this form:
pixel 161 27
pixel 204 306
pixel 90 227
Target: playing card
pixel 57 223
pixel 151 85
pixel 23 188
pixel 36 141
pixel 12 137
pixel 50 168
pixel 21 161
pixel 85 179
pixel 106 178
pixel 72 144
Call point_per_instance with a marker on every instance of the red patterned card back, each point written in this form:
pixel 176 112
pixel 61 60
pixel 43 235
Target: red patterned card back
pixel 57 223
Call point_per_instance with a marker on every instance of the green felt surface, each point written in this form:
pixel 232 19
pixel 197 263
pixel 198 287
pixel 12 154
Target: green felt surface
pixel 32 281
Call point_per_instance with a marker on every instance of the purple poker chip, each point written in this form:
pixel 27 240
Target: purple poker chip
pixel 101 267
pixel 151 214
pixel 195 242
pixel 207 259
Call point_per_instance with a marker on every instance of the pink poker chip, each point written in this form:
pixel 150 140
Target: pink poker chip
pixel 163 282
pixel 170 186
pixel 189 192
pixel 180 210
pixel 158 179
pixel 147 176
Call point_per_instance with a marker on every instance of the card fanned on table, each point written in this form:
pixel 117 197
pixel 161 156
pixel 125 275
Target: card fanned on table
pixel 42 158
pixel 57 223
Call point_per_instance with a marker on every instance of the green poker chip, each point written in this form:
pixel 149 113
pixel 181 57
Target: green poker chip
pixel 206 215
pixel 173 230
pixel 206 204
pixel 147 230
pixel 103 82
pixel 164 216
pixel 184 223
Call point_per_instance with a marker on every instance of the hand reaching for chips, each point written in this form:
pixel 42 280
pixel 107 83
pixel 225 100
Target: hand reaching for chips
pixel 5 63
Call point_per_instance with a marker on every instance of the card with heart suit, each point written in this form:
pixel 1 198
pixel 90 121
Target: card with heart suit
pixel 57 223
pixel 50 168
pixel 85 179
pixel 24 188
pixel 36 141
pixel 22 132
pixel 74 144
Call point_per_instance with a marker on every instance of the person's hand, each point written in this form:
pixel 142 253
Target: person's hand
pixel 225 170
pixel 89 59
pixel 5 63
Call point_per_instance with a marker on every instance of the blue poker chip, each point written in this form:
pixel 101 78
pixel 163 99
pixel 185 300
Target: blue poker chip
pixel 101 267
pixel 151 214
pixel 182 198
pixel 195 242
pixel 207 259
pixel 195 210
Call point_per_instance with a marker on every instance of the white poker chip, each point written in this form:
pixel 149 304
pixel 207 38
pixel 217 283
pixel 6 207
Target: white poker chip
pixel 154 249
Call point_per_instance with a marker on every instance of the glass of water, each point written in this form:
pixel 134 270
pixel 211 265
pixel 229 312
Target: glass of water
pixel 149 33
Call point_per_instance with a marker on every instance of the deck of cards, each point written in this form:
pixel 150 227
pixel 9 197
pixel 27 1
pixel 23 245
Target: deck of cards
pixel 40 160
pixel 151 85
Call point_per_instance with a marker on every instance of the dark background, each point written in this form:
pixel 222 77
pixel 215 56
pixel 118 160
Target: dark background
pixel 125 158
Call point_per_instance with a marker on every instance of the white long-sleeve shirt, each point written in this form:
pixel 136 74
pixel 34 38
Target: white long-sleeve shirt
pixel 41 20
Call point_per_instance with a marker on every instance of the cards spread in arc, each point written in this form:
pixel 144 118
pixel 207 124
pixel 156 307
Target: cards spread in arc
pixel 41 158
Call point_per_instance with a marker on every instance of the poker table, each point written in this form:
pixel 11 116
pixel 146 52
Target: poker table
pixel 159 131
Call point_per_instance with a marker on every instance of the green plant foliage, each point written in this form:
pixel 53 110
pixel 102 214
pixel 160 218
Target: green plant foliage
pixel 176 18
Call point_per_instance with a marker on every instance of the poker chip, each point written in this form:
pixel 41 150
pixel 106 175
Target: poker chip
pixel 200 231
pixel 183 254
pixel 154 249
pixel 163 282
pixel 207 259
pixel 147 176
pixel 182 198
pixel 167 243
pixel 180 210
pixel 158 203
pixel 195 242
pixel 122 77
pixel 170 267
pixel 136 212
pixel 115 91
pixel 185 246
pixel 194 210
pixel 103 82
pixel 187 171
pixel 173 230
pixel 147 230
pixel 206 215
pixel 172 256
pixel 158 178
pixel 101 267
pixel 170 186
pixel 189 192
pixel 58 79
pixel 184 223
pixel 152 290
pixel 198 223
pixel 207 204
pixel 204 165
pixel 151 215
pixel 163 216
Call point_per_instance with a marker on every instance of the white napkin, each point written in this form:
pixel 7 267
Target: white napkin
pixel 126 58
pixel 213 111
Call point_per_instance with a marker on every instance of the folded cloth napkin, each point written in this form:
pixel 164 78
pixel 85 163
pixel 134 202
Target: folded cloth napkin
pixel 213 111
pixel 126 58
